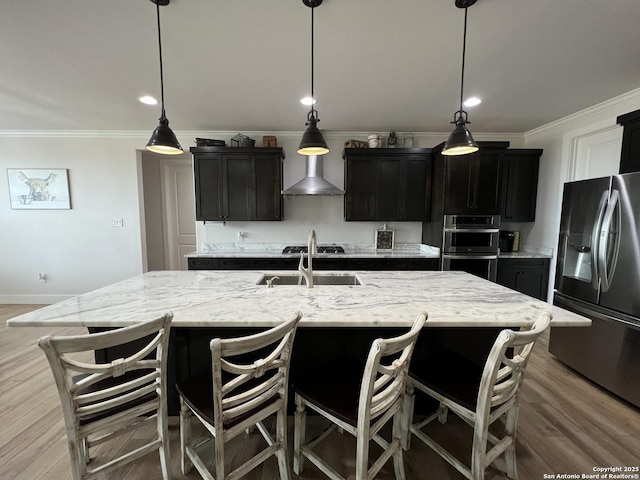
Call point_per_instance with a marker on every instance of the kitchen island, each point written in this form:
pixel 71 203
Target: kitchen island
pixel 339 321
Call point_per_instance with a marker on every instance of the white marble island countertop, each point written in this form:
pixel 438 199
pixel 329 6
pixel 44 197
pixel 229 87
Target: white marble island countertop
pixel 232 298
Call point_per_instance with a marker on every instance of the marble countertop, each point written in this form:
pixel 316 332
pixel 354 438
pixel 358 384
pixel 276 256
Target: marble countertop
pixel 271 250
pixel 233 298
pixel 523 254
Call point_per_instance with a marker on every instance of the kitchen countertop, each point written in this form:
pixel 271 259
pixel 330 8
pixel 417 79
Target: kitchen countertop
pixel 523 254
pixel 232 298
pixel 271 250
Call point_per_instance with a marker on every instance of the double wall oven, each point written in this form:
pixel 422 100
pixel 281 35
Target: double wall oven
pixel 470 243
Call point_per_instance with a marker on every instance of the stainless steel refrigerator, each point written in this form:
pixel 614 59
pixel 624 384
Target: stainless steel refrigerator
pixel 598 276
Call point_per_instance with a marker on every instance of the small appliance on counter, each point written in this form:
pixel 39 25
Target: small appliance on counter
pixel 506 241
pixel 516 241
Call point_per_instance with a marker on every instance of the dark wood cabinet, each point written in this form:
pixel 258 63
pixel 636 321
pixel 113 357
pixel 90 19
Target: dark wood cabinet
pixel 518 184
pixel 319 263
pixel 387 184
pixel 471 183
pixel 238 183
pixel 630 155
pixel 525 275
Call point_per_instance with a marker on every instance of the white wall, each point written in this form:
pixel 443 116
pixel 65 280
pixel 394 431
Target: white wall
pixel 77 249
pixel 560 141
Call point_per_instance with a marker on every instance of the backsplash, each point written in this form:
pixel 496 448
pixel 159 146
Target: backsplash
pixel 301 214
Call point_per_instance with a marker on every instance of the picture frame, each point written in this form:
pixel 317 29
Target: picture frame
pixel 384 240
pixel 39 188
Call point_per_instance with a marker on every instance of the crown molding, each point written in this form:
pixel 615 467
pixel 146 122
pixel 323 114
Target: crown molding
pixel 632 96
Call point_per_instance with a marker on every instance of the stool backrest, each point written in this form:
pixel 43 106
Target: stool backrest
pixel 251 373
pixel 385 374
pixel 506 364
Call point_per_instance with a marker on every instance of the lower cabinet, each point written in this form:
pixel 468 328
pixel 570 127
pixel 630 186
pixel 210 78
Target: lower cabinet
pixel 319 263
pixel 525 275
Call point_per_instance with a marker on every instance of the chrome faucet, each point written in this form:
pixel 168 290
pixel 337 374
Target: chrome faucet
pixel 312 249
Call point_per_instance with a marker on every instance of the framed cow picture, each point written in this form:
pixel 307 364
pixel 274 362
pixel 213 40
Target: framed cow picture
pixel 39 188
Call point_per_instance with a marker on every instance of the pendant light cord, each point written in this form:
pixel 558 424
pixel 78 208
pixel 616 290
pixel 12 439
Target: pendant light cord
pixel 464 49
pixel 160 50
pixel 313 98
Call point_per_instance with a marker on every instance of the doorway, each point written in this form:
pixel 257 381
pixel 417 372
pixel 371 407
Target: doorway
pixel 169 211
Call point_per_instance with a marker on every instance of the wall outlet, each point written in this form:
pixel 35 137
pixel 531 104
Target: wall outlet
pixel 117 222
pixel 42 277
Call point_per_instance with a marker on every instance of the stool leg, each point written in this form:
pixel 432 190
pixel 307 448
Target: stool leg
pixel 281 434
pixel 398 434
pixel 185 436
pixel 407 415
pixel 300 425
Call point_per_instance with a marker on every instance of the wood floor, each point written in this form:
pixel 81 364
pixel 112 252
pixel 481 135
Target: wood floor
pixel 566 426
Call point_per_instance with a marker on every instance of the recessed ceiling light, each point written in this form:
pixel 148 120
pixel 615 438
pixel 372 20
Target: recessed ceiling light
pixel 308 101
pixel 148 100
pixel 472 102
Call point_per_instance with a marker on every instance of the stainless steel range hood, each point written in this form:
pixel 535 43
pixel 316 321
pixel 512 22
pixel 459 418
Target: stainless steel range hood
pixel 313 183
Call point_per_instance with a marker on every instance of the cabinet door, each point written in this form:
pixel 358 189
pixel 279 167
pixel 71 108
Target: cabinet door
pixel 239 187
pixel 457 187
pixel 528 276
pixel 268 187
pixel 388 189
pixel 471 183
pixel 484 183
pixel 209 187
pixel 519 186
pixel 362 182
pixel 630 155
pixel 415 202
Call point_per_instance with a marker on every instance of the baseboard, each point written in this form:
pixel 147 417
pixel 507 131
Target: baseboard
pixel 32 299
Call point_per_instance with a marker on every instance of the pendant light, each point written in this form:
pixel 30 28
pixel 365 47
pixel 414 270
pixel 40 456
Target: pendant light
pixel 163 140
pixel 312 142
pixel 460 141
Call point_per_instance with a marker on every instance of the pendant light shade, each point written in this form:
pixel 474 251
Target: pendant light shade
pixel 163 140
pixel 460 141
pixel 312 142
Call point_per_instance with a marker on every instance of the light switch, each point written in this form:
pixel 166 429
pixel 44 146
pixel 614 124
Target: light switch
pixel 117 222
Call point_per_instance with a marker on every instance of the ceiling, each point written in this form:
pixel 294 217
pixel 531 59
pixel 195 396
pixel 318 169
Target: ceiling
pixel 243 65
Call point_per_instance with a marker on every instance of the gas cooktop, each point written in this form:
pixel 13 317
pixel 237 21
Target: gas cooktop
pixel 321 249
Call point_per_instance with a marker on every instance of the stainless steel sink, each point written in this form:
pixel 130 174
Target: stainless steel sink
pixel 319 278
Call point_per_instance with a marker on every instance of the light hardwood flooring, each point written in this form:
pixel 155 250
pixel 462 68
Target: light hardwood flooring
pixel 566 426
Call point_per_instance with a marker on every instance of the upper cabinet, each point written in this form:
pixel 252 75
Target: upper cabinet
pixel 238 183
pixel 494 180
pixel 387 184
pixel 471 183
pixel 630 156
pixel 518 185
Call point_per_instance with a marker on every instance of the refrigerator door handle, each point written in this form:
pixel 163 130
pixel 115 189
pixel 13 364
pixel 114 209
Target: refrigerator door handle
pixel 595 237
pixel 607 269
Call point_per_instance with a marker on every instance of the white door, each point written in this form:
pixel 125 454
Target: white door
pixel 179 212
pixel 597 154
